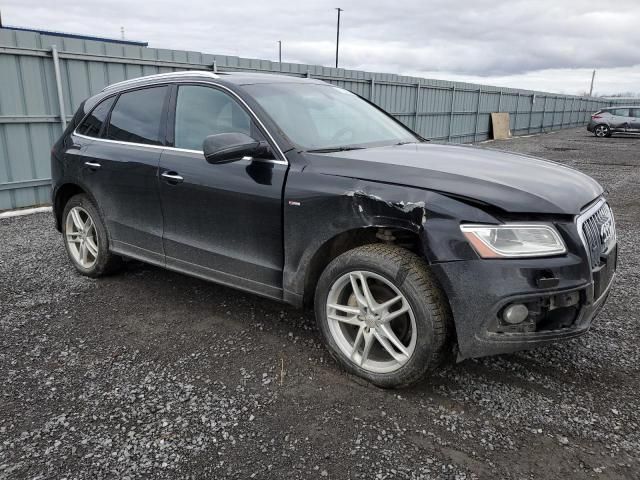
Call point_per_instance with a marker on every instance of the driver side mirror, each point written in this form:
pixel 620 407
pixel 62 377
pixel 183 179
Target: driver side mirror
pixel 227 147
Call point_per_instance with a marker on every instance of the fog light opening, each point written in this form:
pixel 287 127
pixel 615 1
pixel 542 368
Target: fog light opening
pixel 515 314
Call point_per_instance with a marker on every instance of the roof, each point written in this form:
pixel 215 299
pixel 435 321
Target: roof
pixel 54 33
pixel 621 106
pixel 237 78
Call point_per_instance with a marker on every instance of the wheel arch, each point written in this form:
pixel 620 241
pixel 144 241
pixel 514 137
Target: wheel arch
pixel 353 238
pixel 63 194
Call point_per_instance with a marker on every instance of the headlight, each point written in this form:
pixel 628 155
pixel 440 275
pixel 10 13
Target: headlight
pixel 505 241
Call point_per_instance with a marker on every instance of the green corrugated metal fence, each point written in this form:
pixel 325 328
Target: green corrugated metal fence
pixel 36 99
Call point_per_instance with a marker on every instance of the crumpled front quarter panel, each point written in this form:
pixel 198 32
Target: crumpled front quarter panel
pixel 318 207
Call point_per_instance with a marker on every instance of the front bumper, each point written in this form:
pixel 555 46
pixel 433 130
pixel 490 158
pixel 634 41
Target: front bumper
pixel 479 290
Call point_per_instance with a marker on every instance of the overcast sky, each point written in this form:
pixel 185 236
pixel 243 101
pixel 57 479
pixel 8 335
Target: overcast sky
pixel 544 44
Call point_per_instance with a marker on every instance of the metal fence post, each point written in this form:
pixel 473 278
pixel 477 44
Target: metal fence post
pixel 544 113
pixel 515 122
pixel 453 98
pixel 573 104
pixel 56 69
pixel 475 130
pixel 373 86
pixel 415 116
pixel 500 102
pixel 553 116
pixel 533 100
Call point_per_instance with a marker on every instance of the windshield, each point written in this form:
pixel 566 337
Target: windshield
pixel 324 117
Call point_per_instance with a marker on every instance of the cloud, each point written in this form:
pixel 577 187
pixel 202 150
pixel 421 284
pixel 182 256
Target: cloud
pixel 479 39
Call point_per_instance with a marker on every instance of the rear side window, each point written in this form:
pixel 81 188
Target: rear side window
pixel 203 111
pixel 636 113
pixel 137 116
pixel 621 112
pixel 92 125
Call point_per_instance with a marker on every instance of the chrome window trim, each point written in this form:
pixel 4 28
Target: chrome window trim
pixel 281 161
pixel 120 142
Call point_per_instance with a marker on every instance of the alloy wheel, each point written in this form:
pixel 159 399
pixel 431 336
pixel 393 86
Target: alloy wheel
pixel 371 321
pixel 81 237
pixel 601 131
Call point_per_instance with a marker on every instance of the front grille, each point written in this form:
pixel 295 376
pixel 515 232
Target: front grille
pixel 598 232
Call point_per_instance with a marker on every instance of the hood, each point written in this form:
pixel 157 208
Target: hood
pixel 512 182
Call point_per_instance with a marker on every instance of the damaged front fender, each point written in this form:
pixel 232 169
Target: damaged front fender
pixel 319 207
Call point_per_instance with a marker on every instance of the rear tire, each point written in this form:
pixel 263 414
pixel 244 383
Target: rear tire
pixel 401 332
pixel 86 239
pixel 602 130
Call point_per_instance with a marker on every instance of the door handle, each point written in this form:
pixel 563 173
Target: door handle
pixel 172 177
pixel 92 165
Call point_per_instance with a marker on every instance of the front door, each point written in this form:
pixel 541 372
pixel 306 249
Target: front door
pixel 224 221
pixel 121 171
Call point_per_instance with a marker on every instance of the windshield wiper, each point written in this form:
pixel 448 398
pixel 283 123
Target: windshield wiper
pixel 334 149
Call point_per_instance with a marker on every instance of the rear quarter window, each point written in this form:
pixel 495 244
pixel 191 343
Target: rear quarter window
pixel 93 122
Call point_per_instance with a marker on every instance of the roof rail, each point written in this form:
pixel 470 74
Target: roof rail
pixel 161 76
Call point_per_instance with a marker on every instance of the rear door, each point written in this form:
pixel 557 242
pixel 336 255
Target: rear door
pixel 223 221
pixel 121 171
pixel 620 119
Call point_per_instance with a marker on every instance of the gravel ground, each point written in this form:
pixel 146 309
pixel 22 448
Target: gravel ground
pixel 153 374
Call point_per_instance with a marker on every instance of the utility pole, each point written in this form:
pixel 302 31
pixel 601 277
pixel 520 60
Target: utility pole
pixel 593 76
pixel 338 35
pixel 0 19
pixel 122 32
pixel 280 52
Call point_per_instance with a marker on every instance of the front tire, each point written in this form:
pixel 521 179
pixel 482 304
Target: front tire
pixel 86 240
pixel 382 315
pixel 602 130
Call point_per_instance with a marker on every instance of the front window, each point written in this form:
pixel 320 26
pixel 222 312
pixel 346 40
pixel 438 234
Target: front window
pixel 318 117
pixel 203 111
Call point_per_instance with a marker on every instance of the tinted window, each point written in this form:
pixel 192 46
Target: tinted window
pixel 621 112
pixel 636 113
pixel 137 116
pixel 93 123
pixel 203 111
